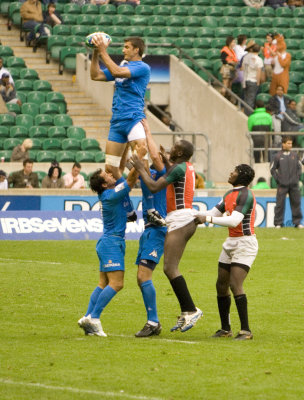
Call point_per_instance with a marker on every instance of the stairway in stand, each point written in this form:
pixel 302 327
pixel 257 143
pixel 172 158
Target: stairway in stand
pixel 93 119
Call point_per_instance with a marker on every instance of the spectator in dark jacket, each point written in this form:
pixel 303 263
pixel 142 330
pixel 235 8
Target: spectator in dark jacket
pixel 276 3
pixel 51 16
pixel 291 121
pixel 278 104
pixel 25 178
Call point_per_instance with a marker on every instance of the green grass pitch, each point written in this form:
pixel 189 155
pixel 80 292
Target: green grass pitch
pixel 45 288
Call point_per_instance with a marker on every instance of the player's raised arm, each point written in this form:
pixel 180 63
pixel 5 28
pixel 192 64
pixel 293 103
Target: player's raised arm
pixel 95 71
pixel 152 148
pixel 133 174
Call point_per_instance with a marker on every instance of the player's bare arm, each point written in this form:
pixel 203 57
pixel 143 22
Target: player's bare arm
pixel 141 150
pixel 95 71
pixel 153 186
pixel 164 157
pixel 152 147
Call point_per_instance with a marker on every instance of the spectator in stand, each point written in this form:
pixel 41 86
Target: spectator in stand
pixel 199 181
pixel 51 16
pixel 31 14
pixel 286 169
pixel 131 2
pixel 259 121
pixel 300 108
pixel 5 71
pixel 25 178
pixel 253 75
pixel 8 91
pixel 3 180
pixel 167 120
pixel 228 69
pixel 281 60
pixel 100 2
pixel 73 180
pixel 291 122
pixel 276 3
pixel 21 151
pixel 255 3
pixel 261 184
pixel 53 179
pixel 295 3
pixel 240 51
pixel 278 104
pixel 269 50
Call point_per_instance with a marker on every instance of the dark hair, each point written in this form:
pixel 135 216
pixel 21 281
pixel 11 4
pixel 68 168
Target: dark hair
pixel 291 100
pixel 229 39
pixel 76 164
pixel 137 43
pixel 286 138
pixel 51 170
pixel 27 161
pixel 96 182
pixel 245 174
pixel 187 149
pixel 259 104
pixel 255 48
pixel 269 34
pixel 261 179
pixel 241 38
pixel 51 5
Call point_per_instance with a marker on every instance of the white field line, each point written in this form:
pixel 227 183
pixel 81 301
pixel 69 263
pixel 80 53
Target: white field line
pixel 29 261
pixel 120 394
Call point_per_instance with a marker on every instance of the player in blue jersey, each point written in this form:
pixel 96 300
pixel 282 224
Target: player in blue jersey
pixel 131 80
pixel 151 244
pixel 111 246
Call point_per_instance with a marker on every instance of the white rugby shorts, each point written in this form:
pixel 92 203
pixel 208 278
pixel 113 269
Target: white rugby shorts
pixel 178 218
pixel 240 250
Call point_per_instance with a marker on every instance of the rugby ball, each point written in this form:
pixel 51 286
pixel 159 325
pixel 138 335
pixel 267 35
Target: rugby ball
pixel 106 39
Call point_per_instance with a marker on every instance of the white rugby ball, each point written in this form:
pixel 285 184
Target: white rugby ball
pixel 105 37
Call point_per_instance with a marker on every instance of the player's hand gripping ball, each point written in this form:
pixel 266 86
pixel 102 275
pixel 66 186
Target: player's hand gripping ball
pixel 105 37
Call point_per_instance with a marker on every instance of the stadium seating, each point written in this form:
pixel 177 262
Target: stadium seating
pixel 20 132
pixel 10 143
pixel 6 154
pixel 38 132
pixel 65 156
pixel 46 156
pixel 30 109
pixel 71 144
pixel 76 132
pixel 52 144
pixel 57 132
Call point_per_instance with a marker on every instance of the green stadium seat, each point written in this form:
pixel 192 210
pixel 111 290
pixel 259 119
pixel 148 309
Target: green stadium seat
pixel 28 73
pixel 154 31
pixel 214 11
pixel 171 31
pixel 84 19
pixel 121 19
pixel 203 42
pixel 4 132
pixel 259 33
pixel 201 2
pixel 44 120
pixel 6 154
pixel 161 2
pixel 241 31
pixel 203 32
pixel 61 30
pixel 116 31
pixel 209 22
pixel 179 10
pixel 25 120
pixel 299 55
pixel 80 30
pixel 63 120
pixel 30 109
pixel 22 96
pixel 76 132
pixel 65 156
pixel 273 183
pixel 37 144
pixel 134 31
pixel 100 157
pixel 158 20
pixel 15 72
pixel 296 77
pixel 249 12
pixel 46 156
pixel 33 154
pixel 54 45
pixel 264 88
pixel 10 143
pixel 197 53
pixel 196 11
pixel 184 42
pixel 300 89
pixel 292 89
pixel 90 144
pixel 298 98
pixel 223 31
pixel 125 9
pixel 20 132
pixel 280 23
pixel 13 61
pixel 298 12
pixel 107 9
pixel 294 33
pixel 245 22
pixel 38 132
pixel 263 22
pixel 42 86
pixel 295 23
pixel 144 10
pixel 189 31
pixel 67 58
pixel 184 2
pixel 69 19
pixel 264 97
pixel 14 14
pixel 266 12
pixel 41 174
pixel 294 44
pixel 23 85
pixel 57 132
pixel 74 40
pixel 192 21
pixel 85 156
pixel 4 7
pixel 6 51
pixel 207 64
pixel 297 65
pixel 161 10
pixel 232 11
pixel 174 20
pixel 58 99
pixel 49 108
pixel 284 12
pixel 89 9
pixel 213 54
pixel 52 144
pixel 7 120
pixel 71 144
pixel 219 3
pixel 36 97
pixel 13 108
pixel 140 20
pixel 103 19
pixel 72 8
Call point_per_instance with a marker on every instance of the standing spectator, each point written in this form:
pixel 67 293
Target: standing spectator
pixel 255 3
pixel 291 122
pixel 228 69
pixel 236 211
pixel 278 104
pixel 73 180
pixel 53 179
pixel 3 180
pixel 253 75
pixel 5 71
pixel 275 3
pixel 51 16
pixel 21 151
pixel 280 73
pixel 286 169
pixel 240 51
pixel 259 120
pixel 25 178
pixel 8 91
pixel 269 51
pixel 31 14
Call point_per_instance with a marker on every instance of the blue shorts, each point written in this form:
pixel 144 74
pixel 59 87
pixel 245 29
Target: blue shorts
pixel 120 129
pixel 111 253
pixel 151 244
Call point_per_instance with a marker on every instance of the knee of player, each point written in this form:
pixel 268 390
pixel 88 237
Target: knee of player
pixel 117 286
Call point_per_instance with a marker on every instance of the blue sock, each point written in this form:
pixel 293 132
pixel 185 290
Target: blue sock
pixel 149 296
pixel 93 299
pixel 104 298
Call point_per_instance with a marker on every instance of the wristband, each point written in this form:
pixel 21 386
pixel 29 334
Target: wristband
pixel 209 219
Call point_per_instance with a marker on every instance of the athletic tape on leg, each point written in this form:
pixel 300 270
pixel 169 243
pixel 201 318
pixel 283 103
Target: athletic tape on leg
pixel 114 161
